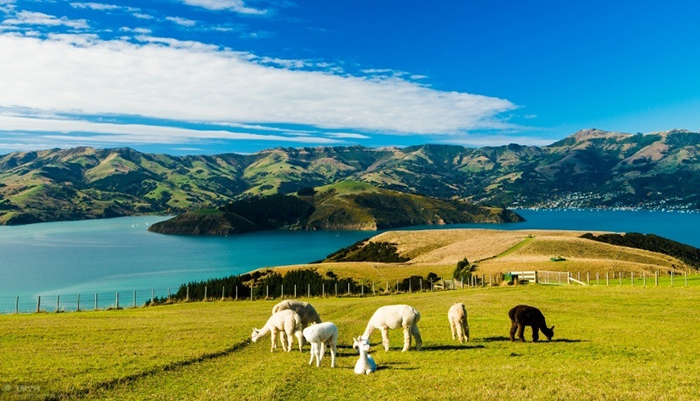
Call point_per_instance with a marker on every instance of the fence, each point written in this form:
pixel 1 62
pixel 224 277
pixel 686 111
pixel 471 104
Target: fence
pixel 129 299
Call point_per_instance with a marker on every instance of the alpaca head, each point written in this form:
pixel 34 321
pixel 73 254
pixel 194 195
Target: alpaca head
pixel 360 343
pixel 549 333
pixel 255 335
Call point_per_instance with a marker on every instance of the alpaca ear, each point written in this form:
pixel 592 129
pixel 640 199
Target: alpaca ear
pixel 552 328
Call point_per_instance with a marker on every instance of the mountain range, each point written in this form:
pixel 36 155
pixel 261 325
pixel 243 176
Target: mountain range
pixel 591 168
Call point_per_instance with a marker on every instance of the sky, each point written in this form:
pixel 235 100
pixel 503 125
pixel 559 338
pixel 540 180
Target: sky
pixel 217 76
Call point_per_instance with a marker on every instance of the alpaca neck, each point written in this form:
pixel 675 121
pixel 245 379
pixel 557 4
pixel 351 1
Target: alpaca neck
pixel 263 332
pixel 368 331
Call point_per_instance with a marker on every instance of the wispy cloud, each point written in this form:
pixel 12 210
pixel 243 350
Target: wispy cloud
pixel 230 5
pixel 96 6
pixel 346 135
pixel 37 18
pixel 83 74
pixel 181 21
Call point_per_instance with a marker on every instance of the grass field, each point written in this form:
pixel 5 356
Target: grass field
pixel 610 343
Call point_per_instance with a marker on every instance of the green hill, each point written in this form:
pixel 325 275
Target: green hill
pixel 591 168
pixel 342 206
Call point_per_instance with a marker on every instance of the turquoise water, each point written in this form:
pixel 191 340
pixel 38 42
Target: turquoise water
pixel 119 255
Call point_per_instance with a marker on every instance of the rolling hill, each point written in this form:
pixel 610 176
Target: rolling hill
pixel 591 168
pixel 346 205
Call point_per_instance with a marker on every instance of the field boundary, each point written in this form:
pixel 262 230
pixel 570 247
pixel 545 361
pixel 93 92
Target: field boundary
pixel 170 367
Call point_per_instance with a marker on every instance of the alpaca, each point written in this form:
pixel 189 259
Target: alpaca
pixel 523 315
pixel 307 312
pixel 287 323
pixel 319 336
pixel 393 317
pixel 364 365
pixel 457 315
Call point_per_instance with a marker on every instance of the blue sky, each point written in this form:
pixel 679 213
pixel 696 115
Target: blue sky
pixel 213 76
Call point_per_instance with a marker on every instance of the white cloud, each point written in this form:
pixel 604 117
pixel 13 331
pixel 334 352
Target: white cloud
pixel 95 6
pixel 141 31
pixel 36 18
pixel 142 16
pixel 191 81
pixel 57 130
pixel 230 5
pixel 346 135
pixel 181 21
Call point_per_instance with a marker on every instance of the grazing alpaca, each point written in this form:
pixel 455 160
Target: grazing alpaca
pixel 523 315
pixel 364 365
pixel 307 312
pixel 287 323
pixel 322 335
pixel 457 315
pixel 393 317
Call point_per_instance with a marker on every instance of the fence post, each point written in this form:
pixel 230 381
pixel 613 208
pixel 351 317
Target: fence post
pixel 336 289
pixel 373 293
pixel 58 303
pixel 597 278
pixel 397 286
pixel 348 288
pixel 38 304
pixel 95 301
pixel 620 279
pixel 308 291
pixel 362 289
pixel 421 285
pixel 656 278
pixel 491 280
pixel 205 289
pixel 410 289
pixel 295 290
pixel 203 299
pixel 282 290
pixel 223 292
pixel 251 292
pixel 267 292
pixel 187 296
pixel 134 298
pixel 116 300
pixel 588 278
pixel 671 278
pixel 153 293
pixel 17 303
pixel 686 277
pixel 323 290
pixel 644 278
pixel 77 309
pixel 483 279
pixel 607 278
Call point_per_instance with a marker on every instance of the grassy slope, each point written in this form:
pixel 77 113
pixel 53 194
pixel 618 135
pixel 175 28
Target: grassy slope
pixel 613 343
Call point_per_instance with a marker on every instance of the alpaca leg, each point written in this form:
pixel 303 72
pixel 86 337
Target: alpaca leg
pixel 334 350
pixel 300 339
pixel 273 337
pixel 416 334
pixel 465 330
pixel 406 339
pixel 521 332
pixel 321 354
pixel 452 327
pixel 385 338
pixel 535 334
pixel 290 342
pixel 513 328
pixel 313 352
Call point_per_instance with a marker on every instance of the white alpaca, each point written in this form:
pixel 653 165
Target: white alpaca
pixel 287 323
pixel 307 312
pixel 322 335
pixel 393 317
pixel 364 365
pixel 457 315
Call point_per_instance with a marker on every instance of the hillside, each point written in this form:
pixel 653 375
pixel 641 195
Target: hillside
pixel 591 168
pixel 495 252
pixel 346 205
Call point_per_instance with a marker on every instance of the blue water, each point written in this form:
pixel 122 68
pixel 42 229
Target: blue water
pixel 106 256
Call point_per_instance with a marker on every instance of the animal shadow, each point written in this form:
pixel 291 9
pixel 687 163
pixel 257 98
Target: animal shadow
pixel 451 347
pixel 390 365
pixel 566 340
pixel 495 339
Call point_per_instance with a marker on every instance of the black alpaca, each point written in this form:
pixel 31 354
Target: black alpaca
pixel 523 315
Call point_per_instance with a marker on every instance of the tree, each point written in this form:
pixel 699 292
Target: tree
pixel 464 268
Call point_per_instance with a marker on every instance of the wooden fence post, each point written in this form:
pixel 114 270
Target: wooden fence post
pixel 251 292
pixel 282 290
pixel 134 298
pixel 203 299
pixel 373 292
pixel 686 277
pixel 187 296
pixel 644 278
pixel 17 303
pixel 348 288
pixel 95 301
pixel 267 292
pixel 295 292
pixel 421 285
pixel 170 295
pixel 336 289
pixel 58 303
pixel 632 278
pixel 656 278
pixel 223 292
pixel 671 278
pixel 38 304
pixel 362 289
pixel 152 295
pixel 323 290
pixel 116 300
pixel 397 286
pixel 588 278
pixel 78 306
pixel 597 278
pixel 308 291
pixel 607 278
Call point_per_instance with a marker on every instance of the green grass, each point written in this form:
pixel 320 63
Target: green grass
pixel 610 343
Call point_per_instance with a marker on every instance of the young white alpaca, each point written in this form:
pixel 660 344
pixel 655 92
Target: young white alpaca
pixel 322 335
pixel 457 315
pixel 307 312
pixel 393 317
pixel 366 364
pixel 287 323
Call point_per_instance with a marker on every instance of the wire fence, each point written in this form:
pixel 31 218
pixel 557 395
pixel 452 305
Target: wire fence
pixel 86 301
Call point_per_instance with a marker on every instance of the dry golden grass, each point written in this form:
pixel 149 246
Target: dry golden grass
pixel 497 251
